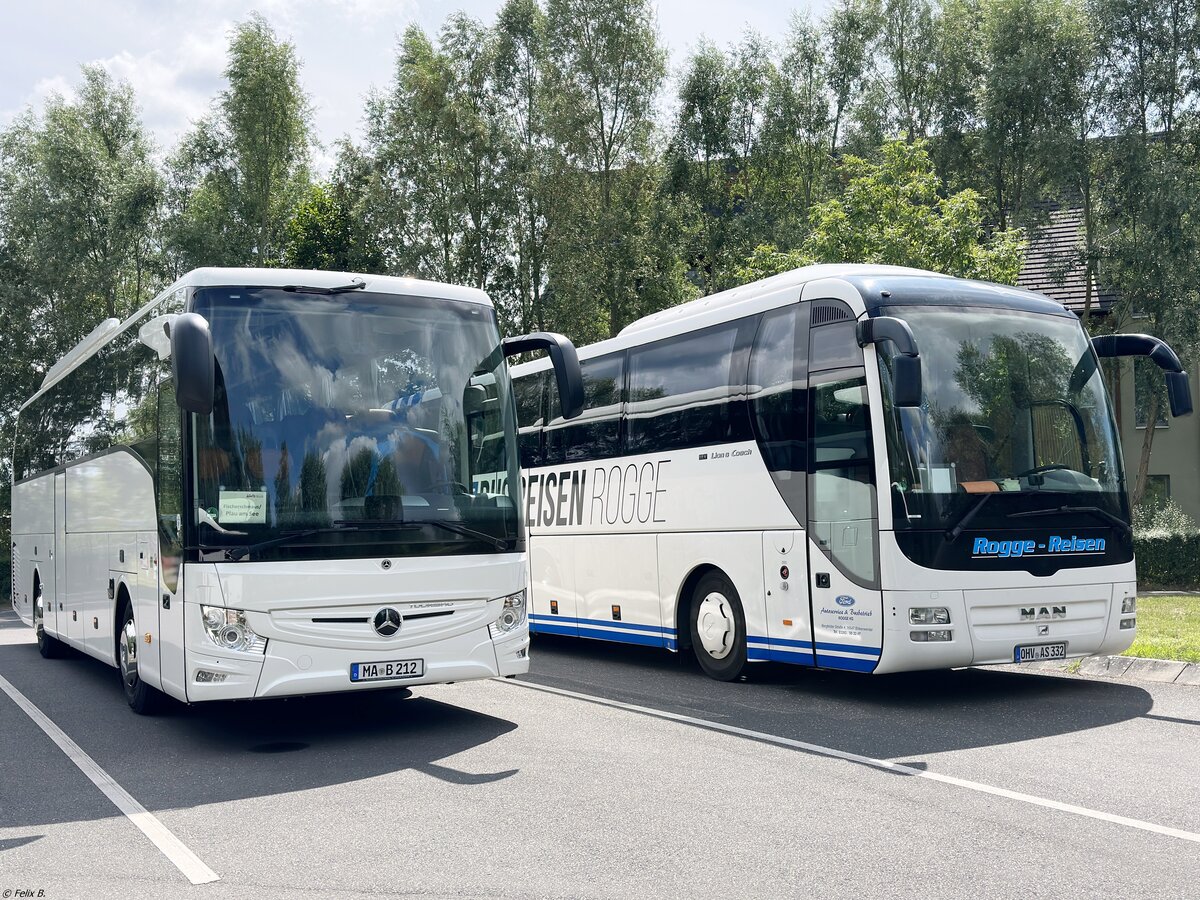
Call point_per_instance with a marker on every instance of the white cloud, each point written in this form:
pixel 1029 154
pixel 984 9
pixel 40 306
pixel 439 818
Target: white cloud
pixel 174 87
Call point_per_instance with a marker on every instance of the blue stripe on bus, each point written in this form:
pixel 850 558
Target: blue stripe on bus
pixel 766 654
pixel 591 623
pixel 586 631
pixel 779 642
pixel 847 663
pixel 850 648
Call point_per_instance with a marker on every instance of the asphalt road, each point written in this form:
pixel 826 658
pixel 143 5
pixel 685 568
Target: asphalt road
pixel 499 789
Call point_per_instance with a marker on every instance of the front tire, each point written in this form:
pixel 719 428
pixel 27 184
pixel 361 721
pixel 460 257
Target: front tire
pixel 49 647
pixel 143 699
pixel 718 627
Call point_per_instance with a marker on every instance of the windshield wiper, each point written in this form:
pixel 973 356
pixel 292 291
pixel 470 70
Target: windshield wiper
pixel 953 533
pixel 465 531
pixel 236 553
pixel 1115 521
pixel 356 285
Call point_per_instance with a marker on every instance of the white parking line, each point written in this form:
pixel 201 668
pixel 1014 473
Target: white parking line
pixel 172 848
pixel 883 764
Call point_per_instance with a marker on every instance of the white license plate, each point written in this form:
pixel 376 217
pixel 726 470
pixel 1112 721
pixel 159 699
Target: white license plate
pixel 1039 652
pixel 382 671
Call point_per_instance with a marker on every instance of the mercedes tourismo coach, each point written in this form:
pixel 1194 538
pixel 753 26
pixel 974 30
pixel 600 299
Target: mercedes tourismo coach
pixel 257 486
pixel 864 468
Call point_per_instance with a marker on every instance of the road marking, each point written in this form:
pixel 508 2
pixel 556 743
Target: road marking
pixel 172 848
pixel 885 765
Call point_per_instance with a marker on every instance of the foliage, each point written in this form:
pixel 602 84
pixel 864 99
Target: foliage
pixel 893 212
pixel 237 175
pixel 1163 518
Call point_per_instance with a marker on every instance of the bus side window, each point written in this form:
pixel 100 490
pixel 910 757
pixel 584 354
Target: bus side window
pixel 777 404
pixel 596 433
pixel 531 416
pixel 168 485
pixel 686 391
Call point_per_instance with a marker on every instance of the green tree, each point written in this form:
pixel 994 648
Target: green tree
pixel 1150 189
pixel 605 69
pixel 1036 54
pixel 237 176
pixel 892 213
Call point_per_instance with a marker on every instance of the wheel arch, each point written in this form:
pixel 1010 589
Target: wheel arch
pixel 683 602
pixel 123 599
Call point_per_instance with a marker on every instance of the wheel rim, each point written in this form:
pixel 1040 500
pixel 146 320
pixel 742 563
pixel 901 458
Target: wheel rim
pixel 128 652
pixel 39 618
pixel 715 625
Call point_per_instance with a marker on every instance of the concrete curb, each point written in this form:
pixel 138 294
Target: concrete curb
pixel 1126 668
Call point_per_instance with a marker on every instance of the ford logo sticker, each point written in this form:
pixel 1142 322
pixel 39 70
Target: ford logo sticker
pixel 844 600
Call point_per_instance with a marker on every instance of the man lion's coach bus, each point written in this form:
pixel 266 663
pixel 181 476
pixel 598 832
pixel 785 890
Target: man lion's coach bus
pixel 865 468
pixel 257 486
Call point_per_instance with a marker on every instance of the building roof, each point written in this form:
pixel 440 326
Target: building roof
pixel 1054 264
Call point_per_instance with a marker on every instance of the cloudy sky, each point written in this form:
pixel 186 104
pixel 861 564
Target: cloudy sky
pixel 173 51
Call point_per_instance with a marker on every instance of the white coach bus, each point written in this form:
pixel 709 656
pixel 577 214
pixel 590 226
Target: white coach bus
pixel 866 468
pixel 256 486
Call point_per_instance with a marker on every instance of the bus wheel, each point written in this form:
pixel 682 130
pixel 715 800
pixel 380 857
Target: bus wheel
pixel 143 699
pixel 49 647
pixel 718 628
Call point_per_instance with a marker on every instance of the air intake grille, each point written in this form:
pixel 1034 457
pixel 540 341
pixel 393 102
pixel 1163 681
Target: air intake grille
pixel 824 313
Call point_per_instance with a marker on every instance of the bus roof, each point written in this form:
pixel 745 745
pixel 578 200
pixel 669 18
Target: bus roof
pixel 212 276
pixel 903 286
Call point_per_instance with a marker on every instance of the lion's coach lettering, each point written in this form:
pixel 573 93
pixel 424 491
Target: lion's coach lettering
pixel 617 494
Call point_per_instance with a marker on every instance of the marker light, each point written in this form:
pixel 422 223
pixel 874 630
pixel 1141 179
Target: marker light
pixel 940 634
pixel 512 616
pixel 227 628
pixel 929 615
pixel 1128 605
pixel 1129 623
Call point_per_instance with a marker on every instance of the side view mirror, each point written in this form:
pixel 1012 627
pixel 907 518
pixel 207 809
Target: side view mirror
pixel 192 363
pixel 1179 391
pixel 565 361
pixel 906 368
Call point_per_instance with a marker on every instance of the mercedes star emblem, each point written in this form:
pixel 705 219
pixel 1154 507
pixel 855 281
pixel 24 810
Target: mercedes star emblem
pixel 387 622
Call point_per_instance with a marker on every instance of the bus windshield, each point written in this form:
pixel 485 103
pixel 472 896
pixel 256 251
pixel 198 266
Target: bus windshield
pixel 1014 407
pixel 352 425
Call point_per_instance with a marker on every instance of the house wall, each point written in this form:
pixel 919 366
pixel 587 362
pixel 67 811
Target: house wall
pixel 1176 448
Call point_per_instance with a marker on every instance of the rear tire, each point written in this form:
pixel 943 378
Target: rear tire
pixel 143 699
pixel 718 627
pixel 49 647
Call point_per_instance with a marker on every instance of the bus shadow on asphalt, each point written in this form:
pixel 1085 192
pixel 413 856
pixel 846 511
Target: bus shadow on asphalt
pixel 220 751
pixel 898 716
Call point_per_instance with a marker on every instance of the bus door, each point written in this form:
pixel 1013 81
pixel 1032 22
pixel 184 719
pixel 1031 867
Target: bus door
pixel 53 593
pixel 846 604
pixel 778 398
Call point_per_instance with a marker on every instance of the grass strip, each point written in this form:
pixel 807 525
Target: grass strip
pixel 1167 628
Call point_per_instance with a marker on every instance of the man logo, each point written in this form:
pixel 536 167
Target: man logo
pixel 1034 613
pixel 387 622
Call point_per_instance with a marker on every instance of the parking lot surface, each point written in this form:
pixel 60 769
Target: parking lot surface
pixel 611 772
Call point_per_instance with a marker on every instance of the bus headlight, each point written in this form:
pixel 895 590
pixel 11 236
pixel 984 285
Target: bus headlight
pixel 1128 605
pixel 227 628
pixel 929 615
pixel 512 616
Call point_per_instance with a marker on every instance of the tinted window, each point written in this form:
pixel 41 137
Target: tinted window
pixel 688 391
pixel 531 416
pixel 596 432
pixel 777 403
